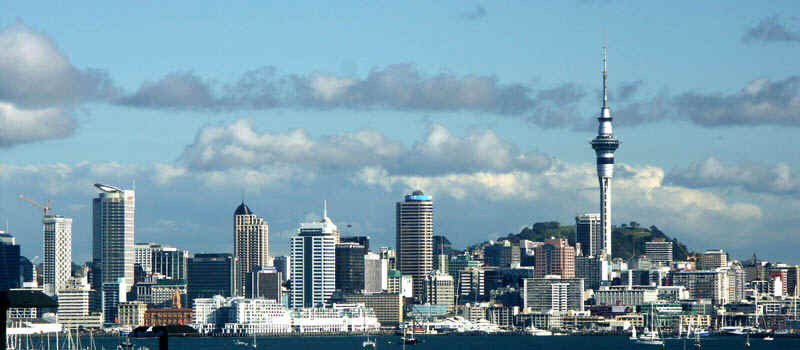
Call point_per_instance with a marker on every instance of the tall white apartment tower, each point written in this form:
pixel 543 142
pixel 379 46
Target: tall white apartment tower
pixel 604 146
pixel 112 236
pixel 250 244
pixel 414 237
pixel 57 265
pixel 313 255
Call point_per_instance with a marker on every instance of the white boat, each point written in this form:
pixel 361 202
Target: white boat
pixel 768 338
pixel 649 336
pixel 369 344
pixel 633 334
pixel 538 332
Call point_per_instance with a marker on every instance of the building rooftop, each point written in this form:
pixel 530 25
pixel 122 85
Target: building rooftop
pixel 242 209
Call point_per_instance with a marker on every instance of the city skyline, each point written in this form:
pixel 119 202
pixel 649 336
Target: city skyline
pixel 495 130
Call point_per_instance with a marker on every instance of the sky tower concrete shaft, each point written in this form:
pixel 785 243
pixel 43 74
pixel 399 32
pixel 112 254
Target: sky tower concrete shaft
pixel 604 146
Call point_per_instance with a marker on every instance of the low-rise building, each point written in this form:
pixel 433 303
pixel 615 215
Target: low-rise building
pixel 388 308
pixel 168 316
pixel 132 313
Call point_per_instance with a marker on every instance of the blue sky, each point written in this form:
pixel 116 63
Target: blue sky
pixel 704 98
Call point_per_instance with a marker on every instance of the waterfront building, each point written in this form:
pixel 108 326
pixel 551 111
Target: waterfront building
pixel 266 283
pixel 397 283
pixel 341 318
pixel 313 256
pixel 167 316
pixel 113 213
pixel 589 234
pixel 552 293
pixel 502 254
pixel 375 273
pixel 211 314
pixel 132 313
pixel 659 251
pixel 57 252
pixel 256 316
pixel 555 257
pixel 350 267
pixel 250 244
pixel 210 275
pixel 414 238
pixel 712 259
pixel 388 307
pixel 439 289
pixel 9 262
pixel 73 305
pixel 593 270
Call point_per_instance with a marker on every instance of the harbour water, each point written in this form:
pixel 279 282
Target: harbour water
pixel 443 343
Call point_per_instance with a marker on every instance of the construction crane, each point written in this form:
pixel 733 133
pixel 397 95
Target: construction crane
pixel 45 208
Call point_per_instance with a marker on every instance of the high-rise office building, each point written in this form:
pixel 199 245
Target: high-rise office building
pixel 57 249
pixel 9 262
pixel 555 257
pixel 114 293
pixel 284 264
pixel 113 214
pixel 250 243
pixel 593 270
pixel 362 240
pixel 589 234
pixel 313 256
pixel 604 146
pixel 414 238
pixel 143 255
pixel 707 285
pixel 210 275
pixel 73 305
pixel 502 254
pixel 170 262
pixel 27 270
pixel 350 267
pixel 265 283
pixel 390 255
pixel 471 285
pixel 376 272
pixel 659 251
pixel 439 289
pixel 712 259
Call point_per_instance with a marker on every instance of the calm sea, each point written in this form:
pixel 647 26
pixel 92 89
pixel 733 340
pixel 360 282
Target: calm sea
pixel 446 342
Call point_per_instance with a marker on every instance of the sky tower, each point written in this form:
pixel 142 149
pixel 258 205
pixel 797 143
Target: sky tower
pixel 604 146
